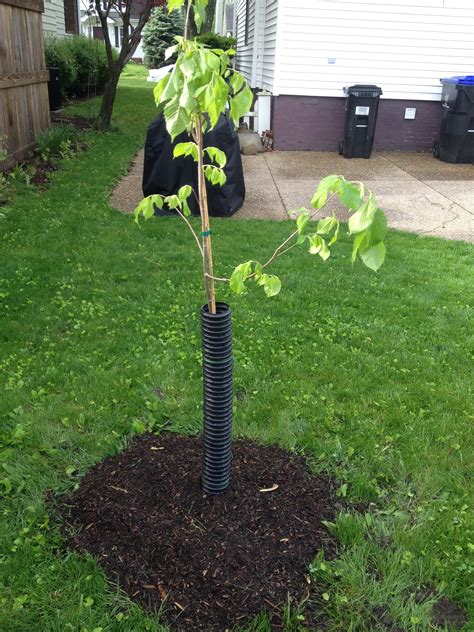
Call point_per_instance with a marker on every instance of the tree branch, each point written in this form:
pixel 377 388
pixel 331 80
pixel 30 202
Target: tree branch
pixel 183 217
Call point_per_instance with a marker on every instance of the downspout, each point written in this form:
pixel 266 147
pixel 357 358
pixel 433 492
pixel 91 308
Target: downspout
pixel 259 4
pixel 219 27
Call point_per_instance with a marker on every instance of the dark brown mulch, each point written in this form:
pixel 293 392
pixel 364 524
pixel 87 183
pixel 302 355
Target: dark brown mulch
pixel 216 561
pixel 448 614
pixel 80 122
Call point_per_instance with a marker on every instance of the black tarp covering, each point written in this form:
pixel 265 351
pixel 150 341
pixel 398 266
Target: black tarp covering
pixel 165 175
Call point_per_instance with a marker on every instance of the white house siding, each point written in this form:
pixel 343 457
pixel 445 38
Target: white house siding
pixel 269 44
pixel 245 56
pixel 405 46
pixel 53 18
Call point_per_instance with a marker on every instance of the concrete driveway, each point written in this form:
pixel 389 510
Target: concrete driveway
pixel 417 192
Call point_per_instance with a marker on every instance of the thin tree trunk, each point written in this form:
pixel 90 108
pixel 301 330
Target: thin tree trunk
pixel 208 266
pixel 104 117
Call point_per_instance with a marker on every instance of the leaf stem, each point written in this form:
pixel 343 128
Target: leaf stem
pixel 183 217
pixel 279 251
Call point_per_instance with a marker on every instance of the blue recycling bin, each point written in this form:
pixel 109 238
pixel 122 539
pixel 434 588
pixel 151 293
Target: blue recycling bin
pixel 456 139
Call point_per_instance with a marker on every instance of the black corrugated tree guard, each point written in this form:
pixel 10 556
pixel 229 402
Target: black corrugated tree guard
pixel 202 87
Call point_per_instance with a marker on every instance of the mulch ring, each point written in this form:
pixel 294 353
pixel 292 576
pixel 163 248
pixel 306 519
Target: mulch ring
pixel 211 562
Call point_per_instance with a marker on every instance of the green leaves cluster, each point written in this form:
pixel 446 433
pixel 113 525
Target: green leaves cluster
pixel 367 222
pixel 253 270
pixel 173 202
pixel 202 83
pixel 215 174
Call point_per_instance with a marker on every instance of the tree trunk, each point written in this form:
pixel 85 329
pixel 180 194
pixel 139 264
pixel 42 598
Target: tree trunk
pixel 208 24
pixel 210 15
pixel 104 117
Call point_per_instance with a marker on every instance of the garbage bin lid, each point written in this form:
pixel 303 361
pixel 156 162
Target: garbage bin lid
pixel 364 90
pixel 467 80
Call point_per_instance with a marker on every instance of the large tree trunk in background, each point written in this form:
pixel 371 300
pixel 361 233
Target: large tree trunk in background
pixel 208 24
pixel 210 15
pixel 107 105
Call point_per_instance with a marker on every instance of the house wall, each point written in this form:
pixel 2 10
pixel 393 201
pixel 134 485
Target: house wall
pixel 404 46
pixel 256 60
pixel 244 62
pixel 269 44
pixel 53 18
pixel 317 124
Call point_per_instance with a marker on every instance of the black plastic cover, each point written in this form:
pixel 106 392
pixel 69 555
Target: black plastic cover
pixel 165 175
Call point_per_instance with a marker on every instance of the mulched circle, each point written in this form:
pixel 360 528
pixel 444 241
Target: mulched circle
pixel 212 562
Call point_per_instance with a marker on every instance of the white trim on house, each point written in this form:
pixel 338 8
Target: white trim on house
pixel 316 47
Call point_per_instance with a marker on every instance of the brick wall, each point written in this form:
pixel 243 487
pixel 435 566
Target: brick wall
pixel 317 124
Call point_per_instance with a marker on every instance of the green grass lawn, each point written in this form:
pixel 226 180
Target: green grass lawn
pixel 369 375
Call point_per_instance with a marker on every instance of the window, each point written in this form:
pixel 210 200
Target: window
pixel 247 11
pixel 118 32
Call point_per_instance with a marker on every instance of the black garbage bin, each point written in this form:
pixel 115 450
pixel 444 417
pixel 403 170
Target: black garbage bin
pixel 456 139
pixel 54 89
pixel 361 118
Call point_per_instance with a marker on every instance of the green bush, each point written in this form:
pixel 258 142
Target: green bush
pixel 93 70
pixel 52 141
pixel 158 34
pixel 214 40
pixel 82 63
pixel 59 54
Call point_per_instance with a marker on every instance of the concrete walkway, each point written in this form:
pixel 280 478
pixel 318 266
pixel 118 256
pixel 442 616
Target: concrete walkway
pixel 417 192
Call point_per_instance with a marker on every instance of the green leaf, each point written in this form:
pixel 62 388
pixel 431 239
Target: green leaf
pixel 240 104
pixel 349 195
pixel 302 220
pixel 270 283
pixel 239 276
pixel 216 155
pixel 173 202
pixel 185 208
pixel 184 192
pixel 177 120
pixel 175 5
pixel 186 100
pixel 336 233
pixel 160 88
pixel 358 241
pixel 327 185
pixel 200 13
pixel 362 219
pixel 237 81
pixel 374 256
pixel 325 225
pixel 147 206
pixel 315 244
pixel 186 149
pixel 324 252
pixel 215 175
pixel 378 228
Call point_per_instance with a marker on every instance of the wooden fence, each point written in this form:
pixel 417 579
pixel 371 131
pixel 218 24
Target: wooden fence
pixel 24 104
